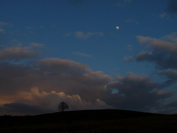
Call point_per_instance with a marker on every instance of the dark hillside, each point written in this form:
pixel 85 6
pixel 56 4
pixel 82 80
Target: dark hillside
pixel 94 114
pixel 76 115
pixel 90 121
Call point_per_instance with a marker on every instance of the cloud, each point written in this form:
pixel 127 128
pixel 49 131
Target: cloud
pixel 89 90
pixel 160 52
pixel 136 93
pixel 16 77
pixel 51 73
pixel 170 107
pixel 171 9
pixel 56 78
pixel 62 66
pixel 16 53
pixel 163 15
pixel 171 76
pixel 73 77
pixel 40 85
pixel 172 6
pixel 50 99
pixel 85 35
pixel 130 47
pixel 4 24
pixel 37 102
pixel 82 54
pixel 2 31
pixel 171 37
pixel 131 21
pixel 36 45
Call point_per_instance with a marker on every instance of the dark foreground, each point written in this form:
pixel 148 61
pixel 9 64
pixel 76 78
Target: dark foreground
pixel 93 121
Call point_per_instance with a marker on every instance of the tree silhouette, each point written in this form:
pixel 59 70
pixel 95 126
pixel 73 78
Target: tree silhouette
pixel 63 106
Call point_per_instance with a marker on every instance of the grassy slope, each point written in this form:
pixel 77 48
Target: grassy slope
pixel 99 121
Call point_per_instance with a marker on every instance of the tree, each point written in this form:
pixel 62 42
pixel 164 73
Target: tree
pixel 63 106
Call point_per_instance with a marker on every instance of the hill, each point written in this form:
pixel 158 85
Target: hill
pixel 95 114
pixel 90 121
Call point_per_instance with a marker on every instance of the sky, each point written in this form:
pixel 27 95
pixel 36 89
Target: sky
pixel 71 50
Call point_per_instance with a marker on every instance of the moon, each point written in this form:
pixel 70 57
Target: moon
pixel 117 27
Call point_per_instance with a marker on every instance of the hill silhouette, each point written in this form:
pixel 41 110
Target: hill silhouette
pixel 94 114
pixel 90 121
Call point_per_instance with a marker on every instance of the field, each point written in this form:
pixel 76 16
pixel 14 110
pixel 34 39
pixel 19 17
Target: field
pixel 93 121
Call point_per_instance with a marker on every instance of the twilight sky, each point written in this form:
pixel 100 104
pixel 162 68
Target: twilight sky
pixel 71 50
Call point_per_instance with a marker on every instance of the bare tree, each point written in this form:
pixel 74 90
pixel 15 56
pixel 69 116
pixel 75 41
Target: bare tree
pixel 63 106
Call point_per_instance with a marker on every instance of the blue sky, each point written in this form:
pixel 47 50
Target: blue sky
pixel 80 36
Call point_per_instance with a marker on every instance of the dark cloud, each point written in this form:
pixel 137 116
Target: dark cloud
pixel 136 92
pixel 88 92
pixel 172 6
pixel 170 107
pixel 38 101
pixel 68 67
pixel 48 81
pixel 162 53
pixel 16 77
pixel 72 78
pixel 51 80
pixel 171 76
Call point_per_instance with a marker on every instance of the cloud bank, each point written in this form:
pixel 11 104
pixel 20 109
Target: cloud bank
pixel 160 51
pixel 37 86
pixel 15 53
pixel 33 85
